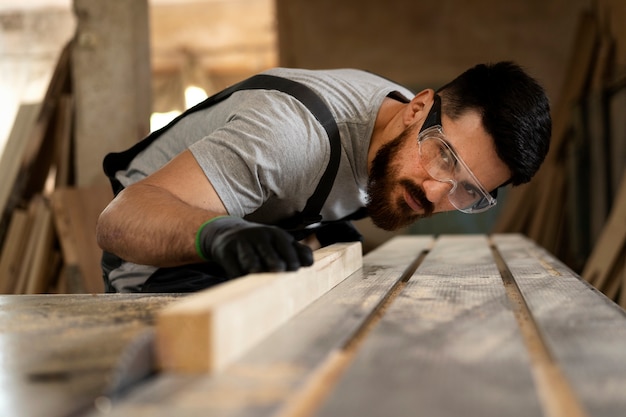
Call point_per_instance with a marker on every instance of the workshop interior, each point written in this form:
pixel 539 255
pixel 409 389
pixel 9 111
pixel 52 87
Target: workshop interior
pixel 517 310
pixel 61 113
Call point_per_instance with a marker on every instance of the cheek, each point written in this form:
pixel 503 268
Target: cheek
pixel 410 168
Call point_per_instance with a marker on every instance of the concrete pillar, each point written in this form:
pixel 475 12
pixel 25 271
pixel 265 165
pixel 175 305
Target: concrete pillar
pixel 111 81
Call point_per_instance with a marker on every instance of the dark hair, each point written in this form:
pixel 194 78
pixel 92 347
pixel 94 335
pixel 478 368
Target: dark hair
pixel 515 112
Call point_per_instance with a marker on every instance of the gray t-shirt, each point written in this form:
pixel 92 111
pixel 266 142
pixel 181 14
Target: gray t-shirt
pixel 264 152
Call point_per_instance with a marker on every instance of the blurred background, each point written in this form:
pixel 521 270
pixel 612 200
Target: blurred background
pixel 82 78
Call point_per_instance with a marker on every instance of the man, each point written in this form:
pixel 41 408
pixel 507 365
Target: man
pixel 201 203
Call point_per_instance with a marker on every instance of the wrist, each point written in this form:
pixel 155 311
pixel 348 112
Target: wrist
pixel 208 230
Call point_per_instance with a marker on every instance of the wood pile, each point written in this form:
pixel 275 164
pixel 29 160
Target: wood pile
pixel 606 267
pixel 566 207
pixel 47 239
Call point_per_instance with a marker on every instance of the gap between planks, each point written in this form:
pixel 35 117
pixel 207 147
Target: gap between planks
pixel 555 393
pixel 310 397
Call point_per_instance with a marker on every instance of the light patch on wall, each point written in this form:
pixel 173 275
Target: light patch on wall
pixel 193 96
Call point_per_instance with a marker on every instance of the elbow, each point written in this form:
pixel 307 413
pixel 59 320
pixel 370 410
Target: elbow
pixel 105 234
pixel 101 236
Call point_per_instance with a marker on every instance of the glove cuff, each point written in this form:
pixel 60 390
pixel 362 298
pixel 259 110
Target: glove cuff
pixel 209 229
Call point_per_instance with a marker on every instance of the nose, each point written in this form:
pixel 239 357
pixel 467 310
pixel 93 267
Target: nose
pixel 437 191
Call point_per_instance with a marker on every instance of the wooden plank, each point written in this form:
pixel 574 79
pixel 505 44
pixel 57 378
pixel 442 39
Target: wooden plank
pixel 63 141
pixel 550 203
pixel 610 243
pixel 584 331
pixel 41 260
pixel 284 363
pixel 617 156
pixel 212 328
pixel 613 283
pixel 76 212
pixel 622 275
pixel 14 149
pixel 555 392
pixel 12 251
pixel 578 73
pixel 63 349
pixel 37 159
pixel 34 211
pixel 36 255
pixel 448 346
pixel 598 138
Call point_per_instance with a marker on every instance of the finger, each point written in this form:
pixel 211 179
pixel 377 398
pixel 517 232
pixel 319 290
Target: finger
pixel 271 257
pixel 230 263
pixel 284 246
pixel 248 258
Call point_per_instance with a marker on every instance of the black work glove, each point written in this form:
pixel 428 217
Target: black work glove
pixel 243 247
pixel 335 232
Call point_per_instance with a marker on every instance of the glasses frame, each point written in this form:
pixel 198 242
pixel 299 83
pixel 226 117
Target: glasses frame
pixel 431 124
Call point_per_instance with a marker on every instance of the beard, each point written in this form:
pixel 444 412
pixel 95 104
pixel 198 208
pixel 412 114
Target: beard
pixel 386 211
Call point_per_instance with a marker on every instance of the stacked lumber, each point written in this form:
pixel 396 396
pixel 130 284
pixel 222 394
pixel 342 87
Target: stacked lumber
pixel 606 267
pixel 566 207
pixel 36 236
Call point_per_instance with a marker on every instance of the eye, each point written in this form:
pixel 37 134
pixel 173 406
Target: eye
pixel 470 190
pixel 446 160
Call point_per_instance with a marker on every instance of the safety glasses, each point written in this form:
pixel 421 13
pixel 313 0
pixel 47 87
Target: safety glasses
pixel 443 164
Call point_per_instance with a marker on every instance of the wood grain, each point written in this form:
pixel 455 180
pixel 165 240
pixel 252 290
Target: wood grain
pixel 447 346
pixel 13 250
pixel 16 145
pixel 284 364
pixel 610 244
pixel 209 330
pixel 584 331
pixel 76 211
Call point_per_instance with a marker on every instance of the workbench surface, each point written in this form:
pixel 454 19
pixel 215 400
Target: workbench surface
pixel 455 326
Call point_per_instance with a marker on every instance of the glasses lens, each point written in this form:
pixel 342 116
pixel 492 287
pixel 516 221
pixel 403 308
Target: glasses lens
pixel 437 159
pixel 442 163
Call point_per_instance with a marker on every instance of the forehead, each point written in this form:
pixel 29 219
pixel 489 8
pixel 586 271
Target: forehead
pixel 476 148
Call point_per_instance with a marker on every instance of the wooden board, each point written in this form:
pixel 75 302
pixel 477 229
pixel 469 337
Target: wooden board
pixel 15 148
pixel 294 356
pixel 471 326
pixel 41 240
pixel 76 211
pixel 37 246
pixel 610 244
pixel 448 346
pixel 209 330
pixel 598 138
pixel 61 351
pixel 63 141
pixel 12 251
pixel 584 331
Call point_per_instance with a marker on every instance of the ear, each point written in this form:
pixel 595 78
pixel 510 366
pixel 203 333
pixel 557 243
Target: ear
pixel 418 108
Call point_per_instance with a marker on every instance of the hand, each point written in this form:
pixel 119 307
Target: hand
pixel 243 247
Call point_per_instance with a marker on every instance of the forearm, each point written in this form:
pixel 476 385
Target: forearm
pixel 148 225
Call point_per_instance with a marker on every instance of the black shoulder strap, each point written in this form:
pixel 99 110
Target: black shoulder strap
pixel 114 162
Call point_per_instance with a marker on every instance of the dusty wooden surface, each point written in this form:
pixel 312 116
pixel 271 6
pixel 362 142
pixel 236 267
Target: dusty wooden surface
pixel 58 352
pixel 458 325
pixel 448 346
